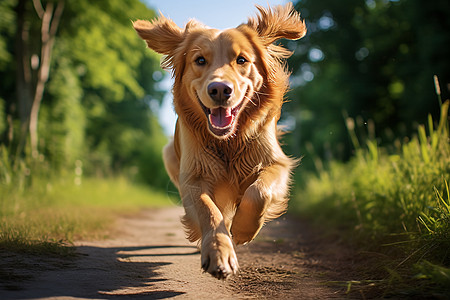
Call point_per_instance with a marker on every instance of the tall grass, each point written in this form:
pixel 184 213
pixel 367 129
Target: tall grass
pixel 395 203
pixel 40 211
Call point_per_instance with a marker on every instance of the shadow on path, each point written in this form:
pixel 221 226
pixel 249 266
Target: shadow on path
pixel 96 273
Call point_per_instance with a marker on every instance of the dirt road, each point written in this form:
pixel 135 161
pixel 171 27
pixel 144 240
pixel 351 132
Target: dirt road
pixel 149 258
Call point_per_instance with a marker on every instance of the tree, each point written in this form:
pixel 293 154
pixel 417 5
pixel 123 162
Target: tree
pixel 116 73
pixel 95 106
pixel 30 92
pixel 369 59
pixel 50 18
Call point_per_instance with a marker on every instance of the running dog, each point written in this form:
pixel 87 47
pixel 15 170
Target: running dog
pixel 225 157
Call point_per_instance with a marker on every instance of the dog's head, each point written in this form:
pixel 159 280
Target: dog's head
pixel 230 77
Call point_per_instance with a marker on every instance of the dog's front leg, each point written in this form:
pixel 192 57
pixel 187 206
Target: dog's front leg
pixel 264 199
pixel 217 251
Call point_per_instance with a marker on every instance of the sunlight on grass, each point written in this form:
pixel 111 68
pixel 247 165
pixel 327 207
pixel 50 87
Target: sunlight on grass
pixel 58 211
pixel 395 203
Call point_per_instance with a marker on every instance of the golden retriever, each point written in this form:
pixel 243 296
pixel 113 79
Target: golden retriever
pixel 225 158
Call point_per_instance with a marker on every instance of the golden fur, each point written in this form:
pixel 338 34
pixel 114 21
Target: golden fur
pixel 225 157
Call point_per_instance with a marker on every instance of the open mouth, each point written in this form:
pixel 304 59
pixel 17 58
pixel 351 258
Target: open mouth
pixel 221 120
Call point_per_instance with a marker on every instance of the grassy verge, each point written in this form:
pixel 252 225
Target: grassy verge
pixel 45 215
pixel 42 214
pixel 396 205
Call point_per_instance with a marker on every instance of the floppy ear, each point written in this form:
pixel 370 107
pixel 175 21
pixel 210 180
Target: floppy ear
pixel 279 22
pixel 161 35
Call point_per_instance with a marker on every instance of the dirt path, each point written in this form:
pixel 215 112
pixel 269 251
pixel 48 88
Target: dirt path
pixel 150 259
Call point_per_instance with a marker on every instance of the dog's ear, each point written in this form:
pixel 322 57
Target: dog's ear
pixel 279 22
pixel 161 35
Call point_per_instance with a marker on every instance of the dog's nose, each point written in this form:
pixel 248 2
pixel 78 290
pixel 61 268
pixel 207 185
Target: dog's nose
pixel 220 92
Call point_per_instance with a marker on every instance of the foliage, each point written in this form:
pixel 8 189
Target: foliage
pixel 369 58
pixel 96 106
pixel 400 200
pixel 5 21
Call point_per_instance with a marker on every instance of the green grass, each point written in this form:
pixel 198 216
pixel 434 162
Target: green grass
pixel 45 214
pixel 396 204
pixel 42 214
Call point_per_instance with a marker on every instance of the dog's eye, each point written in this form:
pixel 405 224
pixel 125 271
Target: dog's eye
pixel 200 61
pixel 241 60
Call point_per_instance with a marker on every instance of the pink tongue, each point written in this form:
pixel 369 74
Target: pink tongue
pixel 221 117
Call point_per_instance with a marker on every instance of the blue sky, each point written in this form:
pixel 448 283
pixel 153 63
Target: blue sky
pixel 217 14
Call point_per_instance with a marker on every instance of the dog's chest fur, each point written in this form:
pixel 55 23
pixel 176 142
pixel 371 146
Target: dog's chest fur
pixel 236 161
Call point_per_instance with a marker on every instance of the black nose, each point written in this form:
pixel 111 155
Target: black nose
pixel 220 92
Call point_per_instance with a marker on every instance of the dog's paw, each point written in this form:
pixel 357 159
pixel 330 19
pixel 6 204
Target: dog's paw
pixel 218 256
pixel 245 227
pixel 242 237
pixel 249 217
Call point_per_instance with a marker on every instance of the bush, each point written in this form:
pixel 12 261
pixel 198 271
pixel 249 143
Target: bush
pixel 399 201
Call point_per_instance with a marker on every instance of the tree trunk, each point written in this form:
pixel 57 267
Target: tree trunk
pixel 50 21
pixel 23 74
